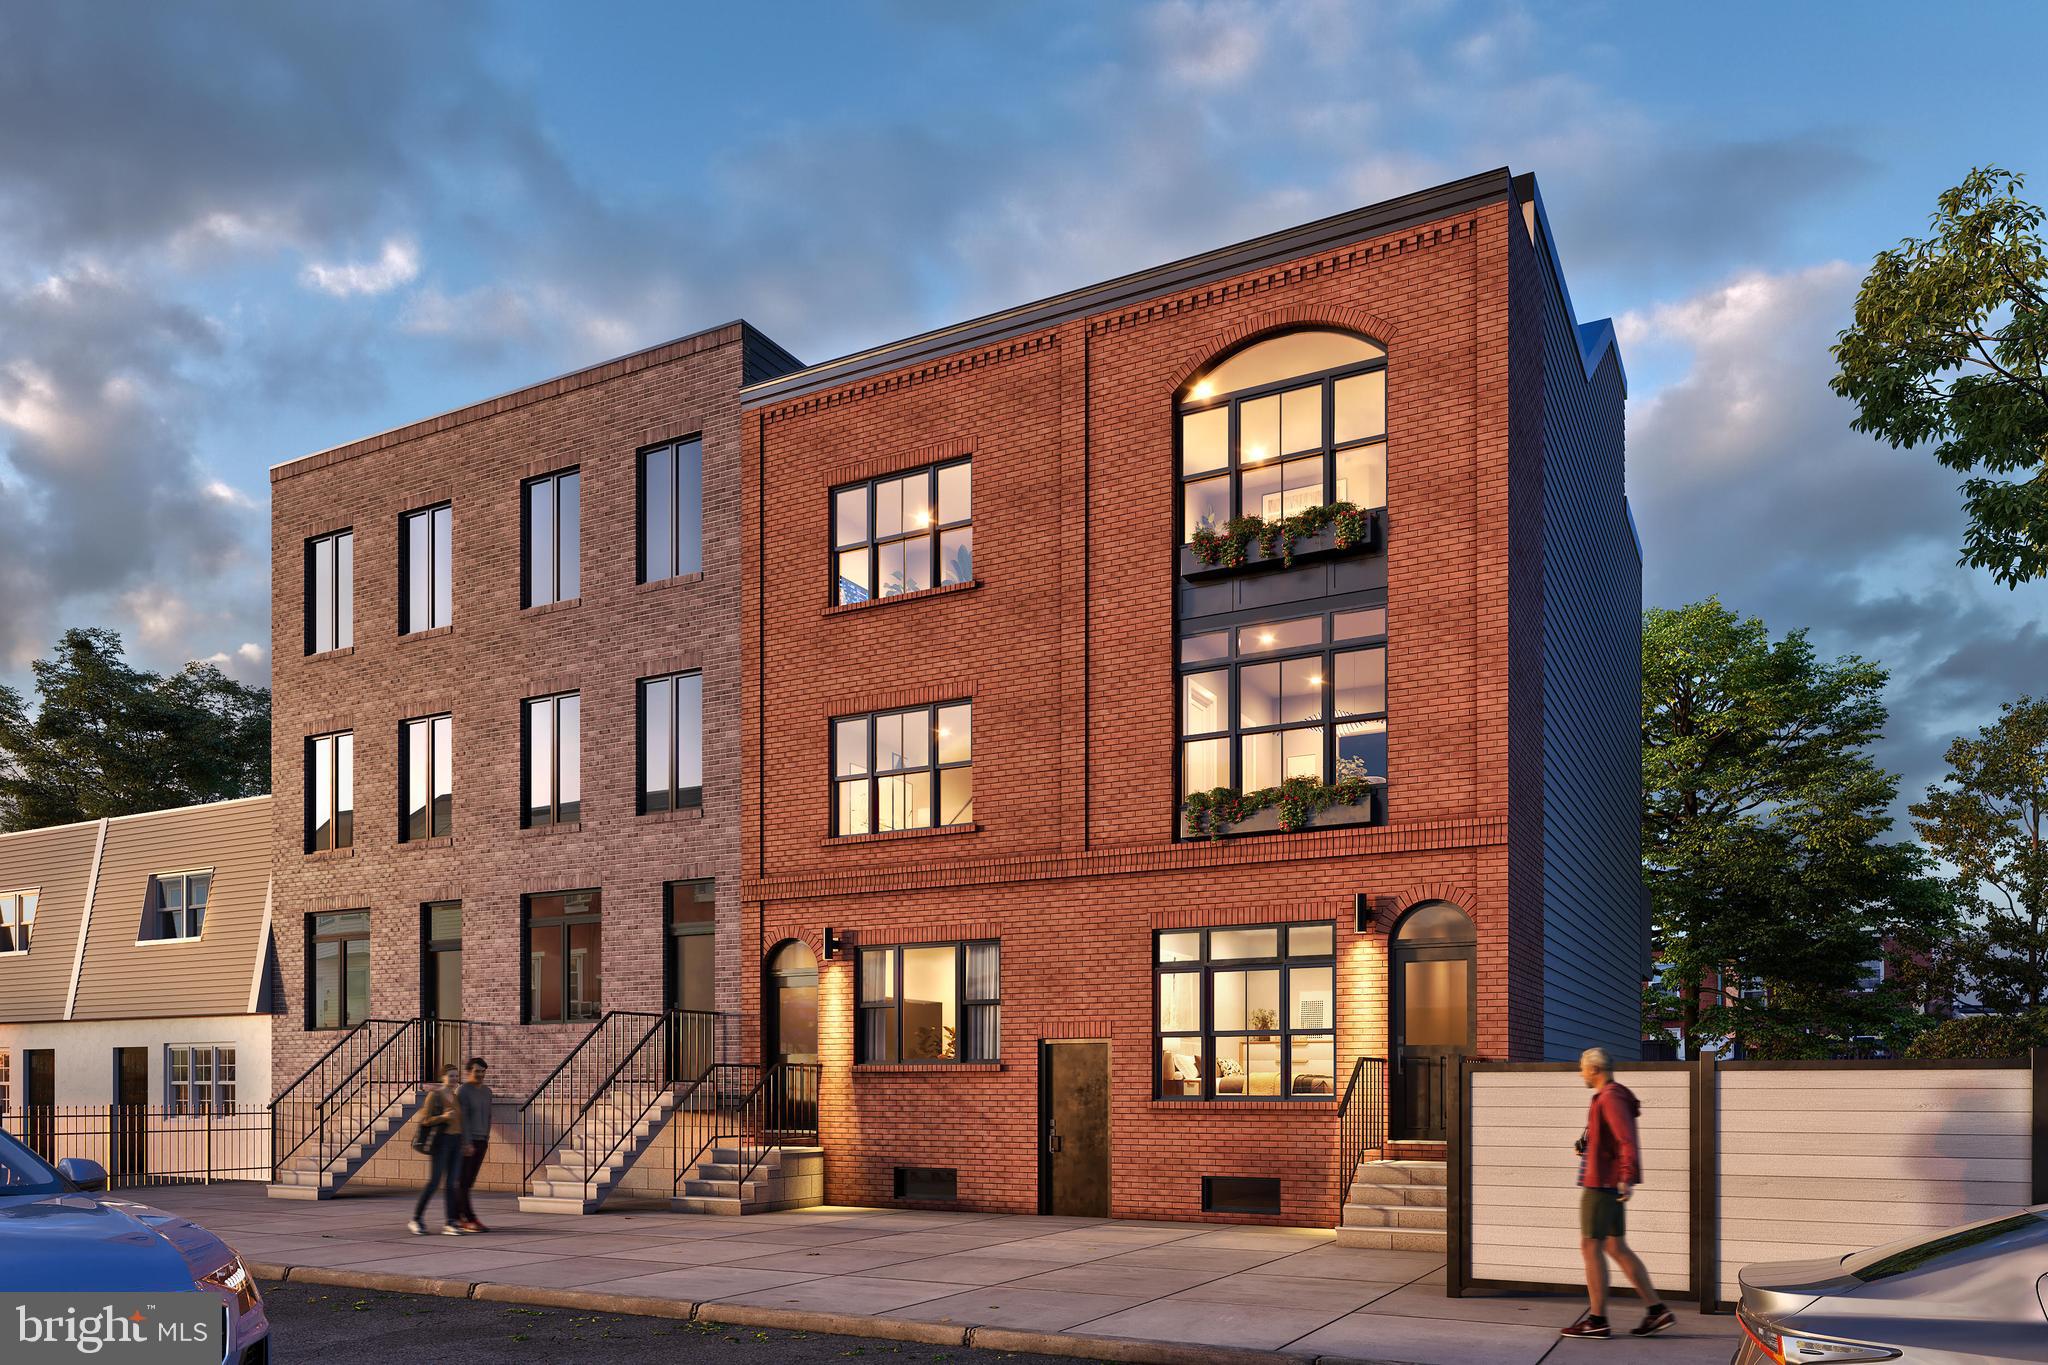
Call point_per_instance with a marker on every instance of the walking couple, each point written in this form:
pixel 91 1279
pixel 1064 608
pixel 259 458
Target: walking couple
pixel 456 1124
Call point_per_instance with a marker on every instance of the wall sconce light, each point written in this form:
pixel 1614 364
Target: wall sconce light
pixel 833 943
pixel 1361 914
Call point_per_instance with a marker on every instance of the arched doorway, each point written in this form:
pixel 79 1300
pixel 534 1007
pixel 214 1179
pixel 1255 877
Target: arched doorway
pixel 1431 1006
pixel 792 1004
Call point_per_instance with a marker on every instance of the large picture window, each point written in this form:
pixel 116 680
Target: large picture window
pixel 934 1002
pixel 672 510
pixel 426 785
pixel 552 757
pixel 330 592
pixel 1295 422
pixel 337 969
pixel 564 934
pixel 426 569
pixel 17 920
pixel 671 742
pixel 1302 696
pixel 175 905
pixel 904 533
pixel 330 792
pixel 551 538
pixel 1247 1013
pixel 888 767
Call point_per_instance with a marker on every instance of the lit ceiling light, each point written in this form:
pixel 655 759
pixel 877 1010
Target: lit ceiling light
pixel 924 518
pixel 1265 637
pixel 1203 389
pixel 1314 680
pixel 1255 454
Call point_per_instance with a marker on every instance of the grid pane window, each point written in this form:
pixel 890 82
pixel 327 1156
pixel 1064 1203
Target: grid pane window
pixel 671 742
pixel 905 533
pixel 552 742
pixel 176 905
pixel 330 592
pixel 1261 439
pixel 1246 1013
pixel 934 1002
pixel 426 798
pixel 672 510
pixel 330 792
pixel 551 535
pixel 337 969
pixel 426 573
pixel 564 954
pixel 200 1080
pixel 898 770
pixel 17 920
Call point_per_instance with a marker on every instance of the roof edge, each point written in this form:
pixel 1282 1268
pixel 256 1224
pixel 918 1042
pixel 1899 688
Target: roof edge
pixel 1595 338
pixel 1375 219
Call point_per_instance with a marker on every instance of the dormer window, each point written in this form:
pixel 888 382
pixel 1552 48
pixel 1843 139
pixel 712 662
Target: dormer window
pixel 176 906
pixel 1284 425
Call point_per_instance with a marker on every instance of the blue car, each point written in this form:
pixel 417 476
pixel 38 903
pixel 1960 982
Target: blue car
pixel 56 1234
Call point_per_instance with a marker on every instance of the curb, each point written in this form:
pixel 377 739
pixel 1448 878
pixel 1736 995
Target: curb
pixel 1119 1349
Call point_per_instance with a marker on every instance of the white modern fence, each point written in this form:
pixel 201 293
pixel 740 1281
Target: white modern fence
pixel 1742 1162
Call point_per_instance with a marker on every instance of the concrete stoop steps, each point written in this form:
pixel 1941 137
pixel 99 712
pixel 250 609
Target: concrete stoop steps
pixel 1397 1206
pixel 318 1170
pixel 597 1153
pixel 785 1178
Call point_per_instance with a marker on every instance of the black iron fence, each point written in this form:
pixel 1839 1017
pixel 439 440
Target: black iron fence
pixel 1361 1119
pixel 593 1103
pixel 748 1109
pixel 142 1145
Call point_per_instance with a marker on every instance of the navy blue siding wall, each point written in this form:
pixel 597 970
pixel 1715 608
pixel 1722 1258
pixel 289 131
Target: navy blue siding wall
pixel 1592 688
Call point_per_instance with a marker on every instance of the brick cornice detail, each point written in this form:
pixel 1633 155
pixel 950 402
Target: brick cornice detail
pixel 895 698
pixel 920 374
pixel 1203 353
pixel 877 466
pixel 1309 845
pixel 937 931
pixel 1291 912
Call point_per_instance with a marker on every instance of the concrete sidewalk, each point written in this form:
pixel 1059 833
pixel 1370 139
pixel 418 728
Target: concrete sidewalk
pixel 934 1276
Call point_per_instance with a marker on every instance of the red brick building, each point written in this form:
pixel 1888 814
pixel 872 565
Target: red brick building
pixel 986 668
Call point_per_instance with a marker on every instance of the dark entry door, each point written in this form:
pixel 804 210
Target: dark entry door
pixel 1432 994
pixel 793 1035
pixel 128 1144
pixel 1073 1129
pixel 690 977
pixel 39 1099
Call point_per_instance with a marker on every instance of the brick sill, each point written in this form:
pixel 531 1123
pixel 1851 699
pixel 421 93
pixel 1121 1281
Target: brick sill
pixel 884 836
pixel 546 608
pixel 924 1068
pixel 427 634
pixel 326 855
pixel 920 595
pixel 663 817
pixel 541 831
pixel 344 652
pixel 654 585
pixel 439 841
pixel 1314 1104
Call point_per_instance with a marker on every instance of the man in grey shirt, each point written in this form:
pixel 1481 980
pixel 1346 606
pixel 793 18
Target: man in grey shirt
pixel 474 1097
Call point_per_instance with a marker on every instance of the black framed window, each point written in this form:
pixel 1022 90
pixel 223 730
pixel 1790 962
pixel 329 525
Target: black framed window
pixel 563 935
pixel 551 759
pixel 887 766
pixel 330 792
pixel 426 569
pixel 426 782
pixel 904 533
pixel 17 920
pixel 671 742
pixel 1290 423
pixel 930 1002
pixel 441 949
pixel 550 538
pixel 330 592
pixel 672 510
pixel 1303 696
pixel 1246 1012
pixel 174 906
pixel 337 969
pixel 199 1079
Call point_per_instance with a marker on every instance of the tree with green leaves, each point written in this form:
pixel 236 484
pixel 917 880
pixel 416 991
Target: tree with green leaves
pixel 1988 819
pixel 107 739
pixel 1950 347
pixel 1764 824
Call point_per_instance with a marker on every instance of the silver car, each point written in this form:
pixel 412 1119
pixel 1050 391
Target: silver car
pixel 1977 1293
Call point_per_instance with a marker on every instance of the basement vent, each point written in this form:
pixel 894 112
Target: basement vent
pixel 929 1184
pixel 1240 1194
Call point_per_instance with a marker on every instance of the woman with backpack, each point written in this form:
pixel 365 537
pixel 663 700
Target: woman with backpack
pixel 439 1135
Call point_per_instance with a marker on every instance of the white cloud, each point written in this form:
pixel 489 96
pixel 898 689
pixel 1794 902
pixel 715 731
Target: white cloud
pixel 251 652
pixel 220 491
pixel 399 264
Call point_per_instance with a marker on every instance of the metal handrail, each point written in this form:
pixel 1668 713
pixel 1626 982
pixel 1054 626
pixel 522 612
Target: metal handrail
pixel 660 1028
pixel 284 1102
pixel 567 1058
pixel 1361 1119
pixel 337 1102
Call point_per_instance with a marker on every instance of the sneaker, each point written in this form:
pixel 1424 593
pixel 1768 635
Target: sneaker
pixel 453 1230
pixel 1656 1320
pixel 471 1225
pixel 1587 1326
pixel 416 1228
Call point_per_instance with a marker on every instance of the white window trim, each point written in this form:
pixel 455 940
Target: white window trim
pixel 158 877
pixel 19 891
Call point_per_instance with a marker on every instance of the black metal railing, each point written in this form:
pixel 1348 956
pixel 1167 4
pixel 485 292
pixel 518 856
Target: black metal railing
pixel 747 1108
pixel 1361 1119
pixel 1422 1098
pixel 142 1145
pixel 587 1109
pixel 302 1113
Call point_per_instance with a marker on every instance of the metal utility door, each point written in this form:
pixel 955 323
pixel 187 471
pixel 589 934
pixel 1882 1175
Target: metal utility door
pixel 128 1143
pixel 1073 1129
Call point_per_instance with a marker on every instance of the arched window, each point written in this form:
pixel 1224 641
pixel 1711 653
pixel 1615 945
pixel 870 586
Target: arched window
pixel 1295 421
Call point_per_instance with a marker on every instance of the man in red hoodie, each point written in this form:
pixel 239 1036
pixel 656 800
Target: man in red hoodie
pixel 1610 1167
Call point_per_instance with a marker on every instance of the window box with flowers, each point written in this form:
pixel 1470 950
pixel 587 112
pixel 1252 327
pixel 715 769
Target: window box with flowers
pixel 1249 544
pixel 1299 803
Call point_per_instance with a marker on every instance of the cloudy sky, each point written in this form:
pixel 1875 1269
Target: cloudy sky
pixel 234 234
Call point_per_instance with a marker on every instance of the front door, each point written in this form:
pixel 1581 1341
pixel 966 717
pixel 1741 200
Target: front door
pixel 793 1036
pixel 39 1099
pixel 1432 995
pixel 128 1141
pixel 690 977
pixel 1073 1129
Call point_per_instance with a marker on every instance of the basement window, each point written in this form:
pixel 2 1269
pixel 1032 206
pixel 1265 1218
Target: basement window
pixel 1240 1194
pixel 928 1184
